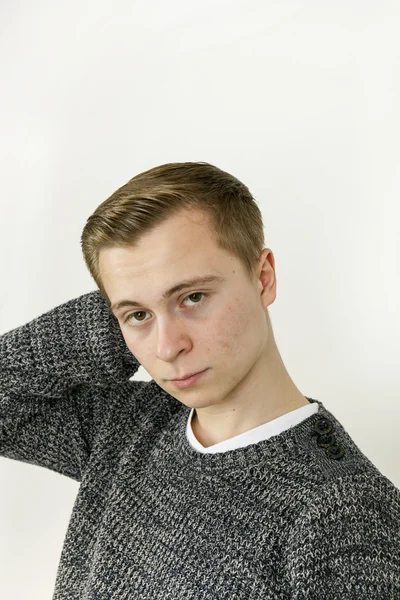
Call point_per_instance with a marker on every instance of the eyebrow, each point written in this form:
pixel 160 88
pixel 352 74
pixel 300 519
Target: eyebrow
pixel 194 281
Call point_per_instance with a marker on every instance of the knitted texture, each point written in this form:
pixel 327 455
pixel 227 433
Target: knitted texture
pixel 303 515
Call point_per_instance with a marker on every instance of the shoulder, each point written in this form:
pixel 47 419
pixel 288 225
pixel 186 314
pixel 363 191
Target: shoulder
pixel 339 473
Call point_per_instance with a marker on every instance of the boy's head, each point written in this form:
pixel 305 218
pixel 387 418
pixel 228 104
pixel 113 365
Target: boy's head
pixel 159 230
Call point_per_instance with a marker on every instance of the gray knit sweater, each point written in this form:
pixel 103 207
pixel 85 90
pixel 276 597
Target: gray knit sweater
pixel 301 515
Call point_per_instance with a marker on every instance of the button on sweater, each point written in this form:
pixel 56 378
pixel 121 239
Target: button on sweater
pixel 290 510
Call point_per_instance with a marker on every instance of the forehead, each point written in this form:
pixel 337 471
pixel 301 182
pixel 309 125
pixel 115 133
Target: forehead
pixel 175 251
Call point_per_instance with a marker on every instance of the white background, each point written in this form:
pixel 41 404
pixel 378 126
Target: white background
pixel 299 100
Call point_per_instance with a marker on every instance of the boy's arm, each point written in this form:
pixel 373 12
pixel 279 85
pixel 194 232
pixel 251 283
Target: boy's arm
pixel 55 377
pixel 347 542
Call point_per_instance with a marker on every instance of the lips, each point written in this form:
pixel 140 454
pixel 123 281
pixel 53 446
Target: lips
pixel 186 376
pixel 189 381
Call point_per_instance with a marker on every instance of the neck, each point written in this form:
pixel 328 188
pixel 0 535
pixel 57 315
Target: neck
pixel 267 392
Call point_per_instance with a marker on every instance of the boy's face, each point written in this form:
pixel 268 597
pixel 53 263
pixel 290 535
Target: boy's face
pixel 219 326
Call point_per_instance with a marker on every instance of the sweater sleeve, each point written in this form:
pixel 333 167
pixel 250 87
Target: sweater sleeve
pixel 346 544
pixel 57 376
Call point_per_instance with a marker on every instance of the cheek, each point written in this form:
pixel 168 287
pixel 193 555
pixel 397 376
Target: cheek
pixel 140 350
pixel 235 326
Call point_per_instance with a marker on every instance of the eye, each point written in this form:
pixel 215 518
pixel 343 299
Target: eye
pixel 142 312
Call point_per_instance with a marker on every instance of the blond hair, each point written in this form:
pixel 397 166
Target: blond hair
pixel 151 197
